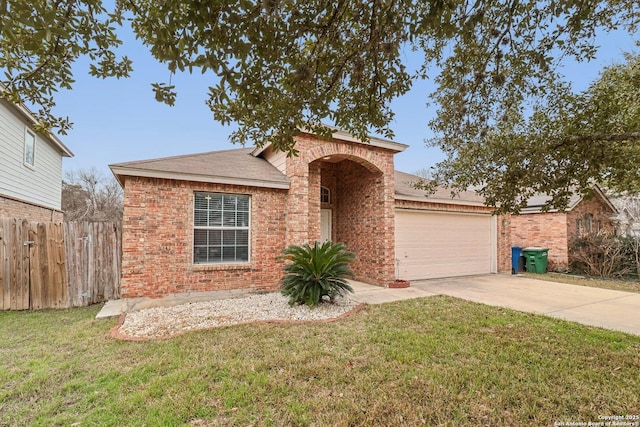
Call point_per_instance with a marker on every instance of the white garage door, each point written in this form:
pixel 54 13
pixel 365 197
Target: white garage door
pixel 431 245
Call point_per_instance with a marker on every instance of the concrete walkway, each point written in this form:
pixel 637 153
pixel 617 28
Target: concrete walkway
pixel 605 308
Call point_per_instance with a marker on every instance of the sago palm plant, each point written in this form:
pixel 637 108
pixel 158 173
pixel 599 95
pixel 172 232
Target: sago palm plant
pixel 312 272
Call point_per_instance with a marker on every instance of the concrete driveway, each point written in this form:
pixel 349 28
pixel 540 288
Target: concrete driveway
pixel 605 308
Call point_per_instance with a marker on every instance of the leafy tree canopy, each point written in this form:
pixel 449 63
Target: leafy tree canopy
pixel 285 65
pixel 567 143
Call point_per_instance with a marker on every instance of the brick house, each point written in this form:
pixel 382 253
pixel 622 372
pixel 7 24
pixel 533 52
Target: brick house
pixel 556 230
pixel 30 167
pixel 218 220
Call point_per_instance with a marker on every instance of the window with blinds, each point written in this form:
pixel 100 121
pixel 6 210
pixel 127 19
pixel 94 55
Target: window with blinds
pixel 221 228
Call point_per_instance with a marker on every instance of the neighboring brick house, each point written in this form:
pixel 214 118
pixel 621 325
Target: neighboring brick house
pixel 219 220
pixel 30 167
pixel 556 230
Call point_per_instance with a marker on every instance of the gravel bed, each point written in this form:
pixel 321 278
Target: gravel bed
pixel 163 322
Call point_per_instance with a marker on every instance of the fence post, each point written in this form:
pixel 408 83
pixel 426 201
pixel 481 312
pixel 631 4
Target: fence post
pixel 4 264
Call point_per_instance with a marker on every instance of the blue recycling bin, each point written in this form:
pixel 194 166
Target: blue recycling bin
pixel 516 261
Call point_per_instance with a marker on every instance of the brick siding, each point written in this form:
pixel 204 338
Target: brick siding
pixel 547 230
pixel 361 223
pixel 12 208
pixel 600 211
pixel 158 240
pixel 504 243
pixel 444 207
pixel 556 230
pixel 361 181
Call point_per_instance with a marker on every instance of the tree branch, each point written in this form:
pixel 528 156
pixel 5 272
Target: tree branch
pixel 605 137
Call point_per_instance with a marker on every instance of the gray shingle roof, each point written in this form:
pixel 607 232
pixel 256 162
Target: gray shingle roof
pixel 404 188
pixel 537 201
pixel 228 166
pixel 239 166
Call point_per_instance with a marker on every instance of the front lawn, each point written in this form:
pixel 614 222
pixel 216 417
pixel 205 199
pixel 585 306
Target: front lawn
pixel 594 282
pixel 432 361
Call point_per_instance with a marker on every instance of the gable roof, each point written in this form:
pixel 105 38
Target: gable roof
pixel 404 190
pixel 241 167
pixel 537 202
pixel 236 166
pixel 342 135
pixel 28 116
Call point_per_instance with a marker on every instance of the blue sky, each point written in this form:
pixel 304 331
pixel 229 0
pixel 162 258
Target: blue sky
pixel 119 120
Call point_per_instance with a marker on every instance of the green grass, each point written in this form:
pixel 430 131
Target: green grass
pixel 433 361
pixel 594 282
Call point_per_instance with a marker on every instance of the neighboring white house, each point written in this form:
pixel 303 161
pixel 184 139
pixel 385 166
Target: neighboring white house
pixel 30 167
pixel 628 219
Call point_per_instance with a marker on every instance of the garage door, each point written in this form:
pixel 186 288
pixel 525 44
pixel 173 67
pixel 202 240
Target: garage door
pixel 431 245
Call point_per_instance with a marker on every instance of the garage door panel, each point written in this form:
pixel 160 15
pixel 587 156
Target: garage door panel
pixel 431 245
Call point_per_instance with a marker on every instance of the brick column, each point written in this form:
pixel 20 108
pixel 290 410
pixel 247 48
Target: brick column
pixel 387 270
pixel 504 243
pixel 315 175
pixel 297 202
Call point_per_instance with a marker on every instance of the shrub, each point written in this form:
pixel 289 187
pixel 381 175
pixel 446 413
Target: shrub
pixel 632 245
pixel 603 256
pixel 313 272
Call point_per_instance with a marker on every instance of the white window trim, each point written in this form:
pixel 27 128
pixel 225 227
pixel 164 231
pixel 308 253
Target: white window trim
pixel 328 195
pixel 29 135
pixel 588 223
pixel 194 227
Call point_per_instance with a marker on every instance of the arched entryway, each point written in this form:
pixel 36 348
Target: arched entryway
pixel 347 195
pixel 359 180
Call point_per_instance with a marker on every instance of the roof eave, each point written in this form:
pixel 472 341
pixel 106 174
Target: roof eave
pixel 376 142
pixel 120 172
pixel 604 197
pixel 572 205
pixel 599 193
pixel 346 136
pixel 538 209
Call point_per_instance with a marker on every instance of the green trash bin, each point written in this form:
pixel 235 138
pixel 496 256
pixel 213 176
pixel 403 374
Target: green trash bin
pixel 536 259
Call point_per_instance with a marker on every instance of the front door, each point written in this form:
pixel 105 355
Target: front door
pixel 325 224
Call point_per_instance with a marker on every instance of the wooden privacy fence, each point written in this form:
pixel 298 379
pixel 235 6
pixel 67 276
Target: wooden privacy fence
pixel 58 265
